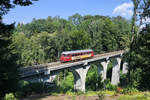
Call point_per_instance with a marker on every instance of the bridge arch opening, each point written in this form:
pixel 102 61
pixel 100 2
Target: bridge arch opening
pixel 109 70
pixel 94 77
pixel 65 81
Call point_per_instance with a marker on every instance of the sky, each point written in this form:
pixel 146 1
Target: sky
pixel 64 8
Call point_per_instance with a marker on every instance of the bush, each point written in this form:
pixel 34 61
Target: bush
pixel 133 97
pixel 119 90
pixel 129 90
pixel 100 95
pixel 67 84
pixel 109 86
pixel 93 79
pixel 10 96
pixel 37 87
pixel 123 80
pixel 25 88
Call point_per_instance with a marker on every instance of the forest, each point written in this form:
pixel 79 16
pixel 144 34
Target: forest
pixel 43 40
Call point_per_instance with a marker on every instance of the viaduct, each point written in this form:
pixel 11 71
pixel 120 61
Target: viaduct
pixel 47 72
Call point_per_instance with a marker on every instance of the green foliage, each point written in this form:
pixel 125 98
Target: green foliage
pixel 123 80
pixel 6 5
pixel 139 60
pixel 100 95
pixel 8 66
pixel 93 79
pixel 129 90
pixel 109 70
pixel 73 97
pixel 36 49
pixel 45 39
pixel 109 86
pixel 135 78
pixel 65 85
pixel 133 97
pixel 79 40
pixel 10 96
pixel 25 88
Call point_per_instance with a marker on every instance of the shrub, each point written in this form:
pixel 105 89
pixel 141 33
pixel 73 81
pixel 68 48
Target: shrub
pixel 133 97
pixel 10 96
pixel 119 90
pixel 37 87
pixel 100 95
pixel 24 89
pixel 129 90
pixel 109 86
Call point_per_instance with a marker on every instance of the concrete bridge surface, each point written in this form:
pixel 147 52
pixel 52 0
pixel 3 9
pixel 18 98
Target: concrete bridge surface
pixel 47 72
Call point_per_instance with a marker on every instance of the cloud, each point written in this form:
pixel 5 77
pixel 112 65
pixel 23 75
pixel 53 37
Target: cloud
pixel 124 10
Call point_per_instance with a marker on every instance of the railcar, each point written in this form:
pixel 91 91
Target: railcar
pixel 76 55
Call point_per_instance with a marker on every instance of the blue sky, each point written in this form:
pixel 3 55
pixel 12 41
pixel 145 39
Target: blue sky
pixel 65 8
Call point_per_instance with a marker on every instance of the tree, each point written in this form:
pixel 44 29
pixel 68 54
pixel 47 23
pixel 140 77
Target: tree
pixel 76 19
pixel 8 66
pixel 134 18
pixel 138 58
pixel 79 40
pixel 6 5
pixel 93 79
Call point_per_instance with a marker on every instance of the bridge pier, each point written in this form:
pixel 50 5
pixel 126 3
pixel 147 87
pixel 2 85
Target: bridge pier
pixel 125 68
pixel 52 78
pixel 51 75
pixel 104 65
pixel 116 71
pixel 79 73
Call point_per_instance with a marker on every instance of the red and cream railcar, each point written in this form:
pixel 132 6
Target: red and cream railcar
pixel 76 55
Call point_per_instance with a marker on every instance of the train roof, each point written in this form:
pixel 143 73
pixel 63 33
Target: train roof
pixel 76 51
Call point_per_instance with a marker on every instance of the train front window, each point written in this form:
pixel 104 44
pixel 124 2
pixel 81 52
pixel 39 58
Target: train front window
pixel 65 55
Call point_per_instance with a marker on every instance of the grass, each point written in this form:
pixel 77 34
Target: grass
pixel 136 96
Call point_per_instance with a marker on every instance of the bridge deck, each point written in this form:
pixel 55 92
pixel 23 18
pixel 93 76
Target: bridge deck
pixel 36 69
